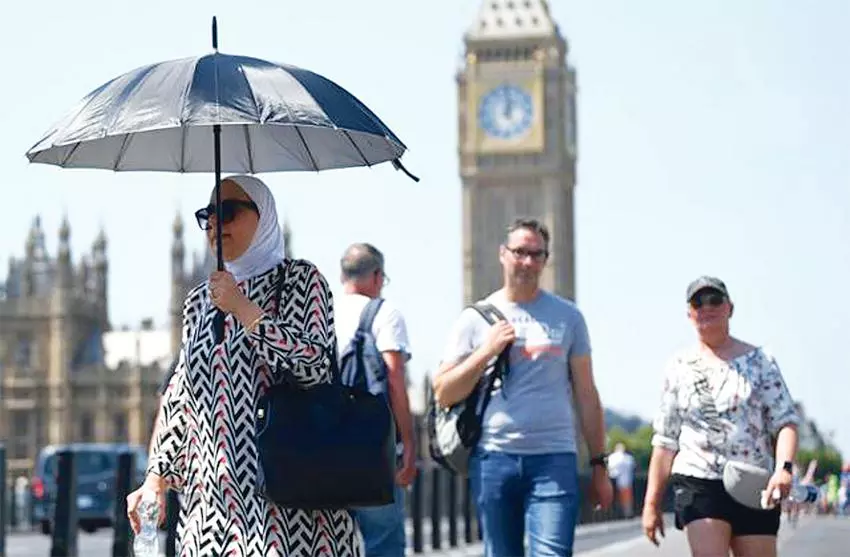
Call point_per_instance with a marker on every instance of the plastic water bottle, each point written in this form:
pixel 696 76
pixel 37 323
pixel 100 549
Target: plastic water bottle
pixel 803 494
pixel 146 542
pixel 798 494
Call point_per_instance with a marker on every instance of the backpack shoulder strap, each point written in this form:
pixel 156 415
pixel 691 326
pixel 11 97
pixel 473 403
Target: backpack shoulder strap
pixel 367 317
pixel 489 312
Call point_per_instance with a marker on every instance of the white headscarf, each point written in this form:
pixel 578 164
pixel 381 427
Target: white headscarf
pixel 266 250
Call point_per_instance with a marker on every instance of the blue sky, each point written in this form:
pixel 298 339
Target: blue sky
pixel 713 138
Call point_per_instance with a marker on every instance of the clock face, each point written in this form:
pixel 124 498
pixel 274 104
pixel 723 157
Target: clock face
pixel 506 112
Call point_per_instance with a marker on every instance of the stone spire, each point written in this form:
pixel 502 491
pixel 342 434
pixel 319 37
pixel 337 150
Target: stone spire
pixel 99 248
pixel 36 248
pixel 64 236
pixel 512 19
pixel 178 283
pixel 100 264
pixel 178 249
pixel 63 263
pixel 36 271
pixel 84 283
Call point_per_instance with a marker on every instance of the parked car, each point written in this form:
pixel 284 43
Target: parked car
pixel 97 467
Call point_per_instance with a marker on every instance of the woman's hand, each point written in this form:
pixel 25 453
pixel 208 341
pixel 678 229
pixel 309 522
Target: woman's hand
pixel 652 522
pixel 154 484
pixel 227 297
pixel 780 482
pixel 224 292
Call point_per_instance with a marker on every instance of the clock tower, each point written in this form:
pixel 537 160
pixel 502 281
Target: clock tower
pixel 517 148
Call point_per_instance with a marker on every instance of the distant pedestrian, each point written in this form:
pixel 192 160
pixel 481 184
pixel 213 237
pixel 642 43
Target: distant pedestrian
pixel 362 306
pixel 621 469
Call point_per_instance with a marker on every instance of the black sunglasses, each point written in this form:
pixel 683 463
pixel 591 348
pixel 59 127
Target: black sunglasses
pixel 710 298
pixel 522 253
pixel 229 209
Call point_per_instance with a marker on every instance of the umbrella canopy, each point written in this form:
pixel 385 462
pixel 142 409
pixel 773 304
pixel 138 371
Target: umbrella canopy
pixel 217 113
pixel 273 117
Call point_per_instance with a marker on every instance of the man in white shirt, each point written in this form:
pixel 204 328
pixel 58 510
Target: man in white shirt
pixel 363 279
pixel 621 468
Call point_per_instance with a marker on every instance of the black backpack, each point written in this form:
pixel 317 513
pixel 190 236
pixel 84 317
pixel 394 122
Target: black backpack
pixel 360 362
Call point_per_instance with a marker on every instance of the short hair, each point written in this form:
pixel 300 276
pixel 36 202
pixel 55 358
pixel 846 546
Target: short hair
pixel 360 260
pixel 533 225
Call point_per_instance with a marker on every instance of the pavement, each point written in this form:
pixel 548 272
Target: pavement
pixel 812 537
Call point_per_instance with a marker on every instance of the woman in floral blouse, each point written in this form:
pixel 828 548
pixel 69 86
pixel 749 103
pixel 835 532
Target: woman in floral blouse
pixel 723 399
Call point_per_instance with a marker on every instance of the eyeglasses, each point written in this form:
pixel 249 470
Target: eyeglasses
pixel 522 253
pixel 711 299
pixel 229 209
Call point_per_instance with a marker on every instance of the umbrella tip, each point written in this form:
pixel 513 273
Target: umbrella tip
pixel 215 33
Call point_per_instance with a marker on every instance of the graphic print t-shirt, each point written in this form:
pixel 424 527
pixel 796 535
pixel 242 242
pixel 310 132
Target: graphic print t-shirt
pixel 532 411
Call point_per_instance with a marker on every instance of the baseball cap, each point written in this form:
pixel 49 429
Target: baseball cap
pixel 703 283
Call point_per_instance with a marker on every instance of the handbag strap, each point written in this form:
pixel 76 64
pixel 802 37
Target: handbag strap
pixel 280 285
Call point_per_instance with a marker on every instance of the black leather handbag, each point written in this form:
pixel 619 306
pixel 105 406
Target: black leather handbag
pixel 329 446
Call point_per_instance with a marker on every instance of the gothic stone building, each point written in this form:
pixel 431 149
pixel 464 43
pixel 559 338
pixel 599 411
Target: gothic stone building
pixel 65 374
pixel 56 386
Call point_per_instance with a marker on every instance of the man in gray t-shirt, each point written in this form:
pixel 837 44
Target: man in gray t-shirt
pixel 524 470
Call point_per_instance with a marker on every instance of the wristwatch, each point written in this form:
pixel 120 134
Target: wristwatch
pixel 600 460
pixel 788 466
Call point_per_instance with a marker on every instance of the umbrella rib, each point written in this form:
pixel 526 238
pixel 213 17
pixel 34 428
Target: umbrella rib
pixel 121 151
pixel 184 132
pixel 356 148
pixel 306 148
pixel 248 147
pixel 70 154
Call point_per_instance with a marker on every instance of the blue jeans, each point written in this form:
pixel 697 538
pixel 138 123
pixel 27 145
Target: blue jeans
pixel 519 494
pixel 383 527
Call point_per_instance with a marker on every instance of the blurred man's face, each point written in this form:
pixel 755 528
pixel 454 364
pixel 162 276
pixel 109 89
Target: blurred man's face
pixel 523 257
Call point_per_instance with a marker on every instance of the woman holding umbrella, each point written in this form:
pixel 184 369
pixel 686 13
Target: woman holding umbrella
pixel 204 441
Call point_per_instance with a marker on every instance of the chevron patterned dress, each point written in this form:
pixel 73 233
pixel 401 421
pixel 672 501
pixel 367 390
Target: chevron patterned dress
pixel 204 444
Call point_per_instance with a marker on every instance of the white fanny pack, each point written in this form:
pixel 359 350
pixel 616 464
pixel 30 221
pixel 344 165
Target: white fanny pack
pixel 744 482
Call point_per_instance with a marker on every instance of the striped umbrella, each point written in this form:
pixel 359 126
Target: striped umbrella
pixel 217 113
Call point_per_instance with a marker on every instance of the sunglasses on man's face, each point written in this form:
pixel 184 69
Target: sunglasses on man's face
pixel 711 299
pixel 229 209
pixel 522 253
